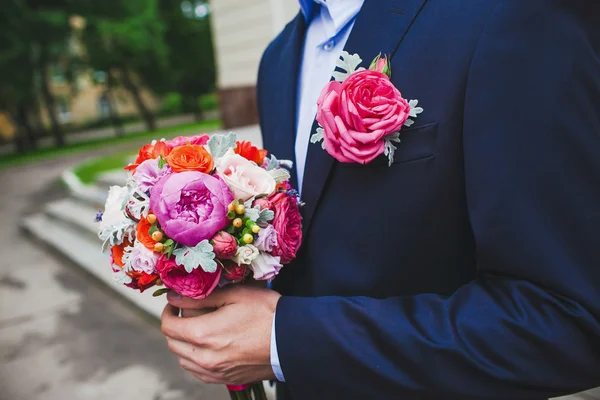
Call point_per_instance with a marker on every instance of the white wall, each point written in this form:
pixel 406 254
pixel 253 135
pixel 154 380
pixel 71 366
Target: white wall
pixel 242 30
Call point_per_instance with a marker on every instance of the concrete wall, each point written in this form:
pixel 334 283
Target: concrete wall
pixel 242 29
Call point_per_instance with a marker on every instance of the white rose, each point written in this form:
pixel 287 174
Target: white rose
pixel 115 225
pixel 244 178
pixel 245 254
pixel 140 259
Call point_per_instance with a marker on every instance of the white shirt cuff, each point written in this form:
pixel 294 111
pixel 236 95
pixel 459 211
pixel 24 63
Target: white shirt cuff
pixel 274 356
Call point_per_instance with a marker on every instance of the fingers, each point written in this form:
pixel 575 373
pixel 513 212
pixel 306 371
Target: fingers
pixel 191 313
pixel 179 328
pixel 199 372
pixel 216 299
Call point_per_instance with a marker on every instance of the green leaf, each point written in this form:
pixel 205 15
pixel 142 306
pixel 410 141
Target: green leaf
pixel 160 292
pixel 161 162
pixel 169 242
pixel 219 144
pixel 230 215
pixel 231 229
pixel 201 255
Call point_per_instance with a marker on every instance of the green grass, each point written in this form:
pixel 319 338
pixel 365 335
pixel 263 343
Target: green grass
pixel 89 171
pixel 43 154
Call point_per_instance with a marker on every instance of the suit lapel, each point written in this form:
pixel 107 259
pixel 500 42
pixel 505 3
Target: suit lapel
pixel 282 90
pixel 379 28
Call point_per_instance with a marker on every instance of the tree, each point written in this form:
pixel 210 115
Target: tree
pixel 34 34
pixel 125 39
pixel 191 58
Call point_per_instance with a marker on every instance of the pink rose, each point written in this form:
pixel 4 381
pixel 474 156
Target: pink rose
pixel 224 245
pixel 197 285
pixel 288 224
pixel 357 114
pixel 199 140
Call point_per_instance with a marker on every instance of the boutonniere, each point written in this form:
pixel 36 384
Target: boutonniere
pixel 361 113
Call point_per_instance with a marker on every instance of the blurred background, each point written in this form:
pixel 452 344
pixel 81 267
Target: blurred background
pixel 83 84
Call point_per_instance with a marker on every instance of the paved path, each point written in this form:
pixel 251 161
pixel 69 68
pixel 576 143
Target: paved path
pixel 64 336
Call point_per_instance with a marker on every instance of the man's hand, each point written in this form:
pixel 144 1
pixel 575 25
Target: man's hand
pixel 228 346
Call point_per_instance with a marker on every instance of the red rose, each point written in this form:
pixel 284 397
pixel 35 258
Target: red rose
pixel 141 280
pixel 196 284
pixel 234 272
pixel 288 224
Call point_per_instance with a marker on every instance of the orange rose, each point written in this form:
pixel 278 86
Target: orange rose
pixel 250 152
pixel 190 157
pixel 143 233
pixel 149 152
pixel 117 253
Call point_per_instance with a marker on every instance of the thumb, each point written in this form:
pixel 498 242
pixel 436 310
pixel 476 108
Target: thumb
pixel 217 299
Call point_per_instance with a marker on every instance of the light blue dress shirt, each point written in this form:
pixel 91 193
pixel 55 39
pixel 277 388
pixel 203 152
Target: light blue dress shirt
pixel 326 36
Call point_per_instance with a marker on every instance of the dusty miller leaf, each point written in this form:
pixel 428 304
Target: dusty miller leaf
pixel 280 175
pixel 200 255
pixel 272 163
pixel 219 144
pixel 390 149
pixel 348 63
pixel 318 137
pixel 261 217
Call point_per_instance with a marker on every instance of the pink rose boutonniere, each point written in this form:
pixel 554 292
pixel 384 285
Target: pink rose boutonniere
pixel 361 112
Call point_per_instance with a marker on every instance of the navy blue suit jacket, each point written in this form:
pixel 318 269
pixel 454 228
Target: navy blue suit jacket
pixel 470 268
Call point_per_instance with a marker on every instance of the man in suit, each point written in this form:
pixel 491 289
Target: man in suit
pixel 468 269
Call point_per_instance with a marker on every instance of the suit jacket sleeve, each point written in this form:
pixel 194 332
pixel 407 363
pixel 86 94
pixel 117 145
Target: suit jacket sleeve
pixel 529 325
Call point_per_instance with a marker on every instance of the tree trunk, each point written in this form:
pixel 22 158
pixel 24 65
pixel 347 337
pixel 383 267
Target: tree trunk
pixel 190 104
pixel 50 104
pixel 137 98
pixel 25 139
pixel 112 110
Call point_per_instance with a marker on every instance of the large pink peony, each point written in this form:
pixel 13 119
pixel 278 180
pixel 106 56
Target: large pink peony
pixel 288 224
pixel 197 285
pixel 190 206
pixel 199 140
pixel 357 114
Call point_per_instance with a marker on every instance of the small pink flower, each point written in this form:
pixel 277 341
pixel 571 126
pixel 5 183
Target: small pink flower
pixel 196 285
pixel 357 114
pixel 224 245
pixel 199 140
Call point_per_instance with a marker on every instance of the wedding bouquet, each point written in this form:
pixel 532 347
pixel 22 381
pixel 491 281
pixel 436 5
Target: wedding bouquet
pixel 198 213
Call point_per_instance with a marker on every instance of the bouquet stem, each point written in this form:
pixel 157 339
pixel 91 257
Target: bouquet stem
pixel 246 393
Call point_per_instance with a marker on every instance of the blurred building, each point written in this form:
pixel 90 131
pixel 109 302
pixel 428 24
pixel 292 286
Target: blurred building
pixel 242 29
pixel 87 99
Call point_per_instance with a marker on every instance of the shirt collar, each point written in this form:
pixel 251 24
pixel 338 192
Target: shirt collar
pixel 340 12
